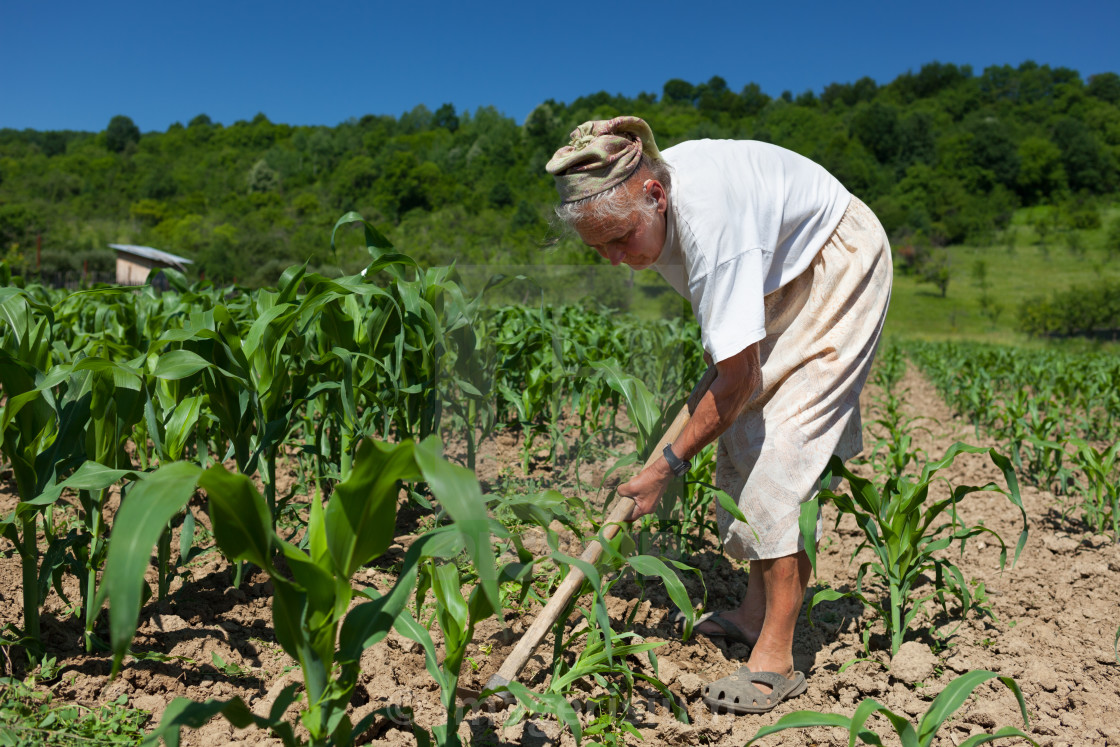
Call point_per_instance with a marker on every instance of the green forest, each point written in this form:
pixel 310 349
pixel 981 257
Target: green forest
pixel 943 155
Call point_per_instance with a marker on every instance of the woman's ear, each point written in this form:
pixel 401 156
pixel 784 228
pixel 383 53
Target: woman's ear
pixel 653 188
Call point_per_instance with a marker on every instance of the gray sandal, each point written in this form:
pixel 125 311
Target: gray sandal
pixel 737 694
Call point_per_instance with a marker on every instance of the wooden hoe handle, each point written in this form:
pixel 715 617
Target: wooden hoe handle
pixel 511 667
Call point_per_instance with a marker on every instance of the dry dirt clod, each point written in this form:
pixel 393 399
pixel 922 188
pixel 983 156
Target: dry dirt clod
pixel 667 671
pixel 690 685
pixel 113 690
pixel 169 623
pixel 913 663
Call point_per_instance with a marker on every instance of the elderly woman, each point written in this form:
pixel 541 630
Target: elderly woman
pixel 789 276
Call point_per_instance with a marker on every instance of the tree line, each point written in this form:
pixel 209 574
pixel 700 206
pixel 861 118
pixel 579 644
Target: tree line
pixel 943 155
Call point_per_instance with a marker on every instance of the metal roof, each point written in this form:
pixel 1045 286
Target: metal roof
pixel 155 255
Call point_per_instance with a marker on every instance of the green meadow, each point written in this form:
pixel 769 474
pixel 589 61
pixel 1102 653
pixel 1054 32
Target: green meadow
pixel 1019 265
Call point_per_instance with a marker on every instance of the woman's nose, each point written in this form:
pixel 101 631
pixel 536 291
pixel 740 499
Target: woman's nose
pixel 615 255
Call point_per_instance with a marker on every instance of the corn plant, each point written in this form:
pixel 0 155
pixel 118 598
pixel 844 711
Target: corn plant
pixel 256 364
pixel 457 617
pixel 170 434
pixel 531 356
pixel 376 354
pixel 894 450
pixel 252 382
pixel 1101 492
pixel 893 430
pixel 1046 465
pixel 940 710
pixel 83 550
pixel 419 315
pixel 890 367
pixel 41 428
pixel 473 377
pixel 899 522
pixel 472 372
pixel 979 396
pixel 57 417
pixel 602 660
pixel 116 393
pixel 691 519
pixel 1076 390
pixel 310 609
pixel 1011 427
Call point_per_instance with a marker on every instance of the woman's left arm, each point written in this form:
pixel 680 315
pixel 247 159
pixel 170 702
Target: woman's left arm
pixel 737 380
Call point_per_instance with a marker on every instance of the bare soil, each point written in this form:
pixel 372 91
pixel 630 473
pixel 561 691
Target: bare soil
pixel 1056 610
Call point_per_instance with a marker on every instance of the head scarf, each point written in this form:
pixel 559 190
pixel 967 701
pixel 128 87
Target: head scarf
pixel 602 153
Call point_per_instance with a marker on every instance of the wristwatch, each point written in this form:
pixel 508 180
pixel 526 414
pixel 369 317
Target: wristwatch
pixel 678 466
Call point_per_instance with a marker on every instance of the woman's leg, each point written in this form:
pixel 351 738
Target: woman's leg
pixel 769 611
pixel 750 615
pixel 784 580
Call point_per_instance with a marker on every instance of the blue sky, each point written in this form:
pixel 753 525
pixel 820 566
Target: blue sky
pixel 74 65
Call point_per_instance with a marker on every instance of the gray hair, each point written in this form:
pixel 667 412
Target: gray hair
pixel 616 203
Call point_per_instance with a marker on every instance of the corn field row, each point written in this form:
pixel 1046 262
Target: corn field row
pixel 120 407
pixel 1056 413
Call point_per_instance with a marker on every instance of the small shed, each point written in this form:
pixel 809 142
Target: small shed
pixel 134 263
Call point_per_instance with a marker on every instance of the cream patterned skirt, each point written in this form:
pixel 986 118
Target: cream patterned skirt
pixel 822 330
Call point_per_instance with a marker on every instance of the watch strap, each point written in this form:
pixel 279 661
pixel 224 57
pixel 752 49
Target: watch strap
pixel 676 464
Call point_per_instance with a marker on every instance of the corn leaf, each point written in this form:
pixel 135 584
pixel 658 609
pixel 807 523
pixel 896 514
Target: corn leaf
pixel 139 523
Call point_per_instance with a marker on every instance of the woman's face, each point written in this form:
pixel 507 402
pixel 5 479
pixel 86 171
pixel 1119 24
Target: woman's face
pixel 636 241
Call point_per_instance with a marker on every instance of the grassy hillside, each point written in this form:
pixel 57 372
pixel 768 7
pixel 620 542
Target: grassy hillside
pixel 1020 266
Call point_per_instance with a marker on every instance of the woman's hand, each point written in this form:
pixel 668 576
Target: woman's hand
pixel 739 377
pixel 646 488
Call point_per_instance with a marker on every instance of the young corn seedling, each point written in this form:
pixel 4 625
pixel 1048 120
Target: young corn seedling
pixel 457 617
pixel 311 609
pixel 890 367
pixel 603 661
pixel 940 710
pixel 690 518
pixel 1101 493
pixel 893 451
pixel 900 526
pixel 1046 459
pixel 170 436
pixel 1011 424
pixel 979 398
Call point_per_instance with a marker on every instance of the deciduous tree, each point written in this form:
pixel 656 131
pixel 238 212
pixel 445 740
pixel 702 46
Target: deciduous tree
pixel 120 132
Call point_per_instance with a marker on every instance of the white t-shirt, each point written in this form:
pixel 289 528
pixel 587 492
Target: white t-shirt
pixel 744 219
